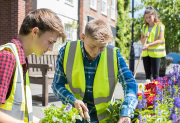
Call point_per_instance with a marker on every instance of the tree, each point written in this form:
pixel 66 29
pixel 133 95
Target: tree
pixel 169 14
pixel 123 25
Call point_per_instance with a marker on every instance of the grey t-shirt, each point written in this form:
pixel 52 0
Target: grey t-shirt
pixel 150 28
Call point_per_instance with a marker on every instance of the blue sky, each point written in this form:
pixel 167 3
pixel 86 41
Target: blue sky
pixel 136 2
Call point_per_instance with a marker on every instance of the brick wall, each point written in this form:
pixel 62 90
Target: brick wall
pixel 86 10
pixel 12 13
pixel 5 20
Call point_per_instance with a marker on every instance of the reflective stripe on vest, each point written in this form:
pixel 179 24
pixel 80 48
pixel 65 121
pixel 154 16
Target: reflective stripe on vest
pixel 102 102
pixel 15 104
pixel 78 92
pixel 157 51
pixel 29 99
pixel 151 42
pixel 111 76
pixel 106 72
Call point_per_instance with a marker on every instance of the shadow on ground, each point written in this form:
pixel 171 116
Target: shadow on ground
pixel 140 77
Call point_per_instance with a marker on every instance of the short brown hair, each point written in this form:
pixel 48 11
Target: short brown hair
pixel 45 20
pixel 98 30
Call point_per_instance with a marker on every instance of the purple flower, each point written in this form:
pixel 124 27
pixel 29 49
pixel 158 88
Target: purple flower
pixel 68 107
pixel 170 109
pixel 157 89
pixel 140 106
pixel 144 102
pixel 169 88
pixel 53 104
pixel 174 117
pixel 173 91
pixel 155 102
pixel 159 112
pixel 143 96
pixel 177 102
pixel 140 117
pixel 159 94
pixel 177 66
pixel 144 119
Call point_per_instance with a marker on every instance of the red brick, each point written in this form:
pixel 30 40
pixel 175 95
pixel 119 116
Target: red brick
pixel 12 13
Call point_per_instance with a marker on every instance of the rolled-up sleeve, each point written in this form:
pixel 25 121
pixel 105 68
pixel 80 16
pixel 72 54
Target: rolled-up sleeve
pixel 130 87
pixel 59 81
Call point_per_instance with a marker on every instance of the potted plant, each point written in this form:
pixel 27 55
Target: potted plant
pixel 165 61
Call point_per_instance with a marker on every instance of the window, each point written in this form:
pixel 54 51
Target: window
pixel 93 4
pixel 68 29
pixel 70 1
pixel 113 42
pixel 104 7
pixel 113 9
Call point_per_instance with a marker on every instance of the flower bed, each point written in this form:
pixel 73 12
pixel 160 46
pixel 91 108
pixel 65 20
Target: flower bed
pixel 159 101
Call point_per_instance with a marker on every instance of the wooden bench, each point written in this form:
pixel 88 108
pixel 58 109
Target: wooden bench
pixel 41 71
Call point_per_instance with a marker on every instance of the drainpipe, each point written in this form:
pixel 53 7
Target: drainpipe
pixel 131 61
pixel 78 20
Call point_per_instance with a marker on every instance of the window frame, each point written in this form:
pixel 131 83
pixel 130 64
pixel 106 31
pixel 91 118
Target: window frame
pixel 69 3
pixel 68 31
pixel 104 13
pixel 113 7
pixel 95 4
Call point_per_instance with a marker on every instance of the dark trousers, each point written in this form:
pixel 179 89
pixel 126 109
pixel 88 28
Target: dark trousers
pixel 151 67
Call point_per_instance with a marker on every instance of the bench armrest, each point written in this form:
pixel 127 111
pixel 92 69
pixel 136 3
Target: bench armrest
pixel 44 68
pixel 41 66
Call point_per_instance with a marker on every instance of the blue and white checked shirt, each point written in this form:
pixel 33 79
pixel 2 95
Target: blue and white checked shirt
pixel 124 76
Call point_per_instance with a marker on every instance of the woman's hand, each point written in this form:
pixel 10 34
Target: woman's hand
pixel 147 34
pixel 124 120
pixel 145 47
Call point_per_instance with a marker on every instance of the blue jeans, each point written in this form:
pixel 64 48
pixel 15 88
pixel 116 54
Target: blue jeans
pixel 93 116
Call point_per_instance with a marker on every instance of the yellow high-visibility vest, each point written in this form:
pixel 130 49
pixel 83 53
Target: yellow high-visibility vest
pixel 159 50
pixel 19 102
pixel 105 78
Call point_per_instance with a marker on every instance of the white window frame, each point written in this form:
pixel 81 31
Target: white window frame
pixel 113 13
pixel 93 6
pixel 69 2
pixel 68 32
pixel 105 3
pixel 113 41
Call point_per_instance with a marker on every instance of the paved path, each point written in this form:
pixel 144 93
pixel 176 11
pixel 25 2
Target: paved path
pixel 37 89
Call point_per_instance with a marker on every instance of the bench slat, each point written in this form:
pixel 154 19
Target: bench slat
pixel 49 61
pixel 38 62
pixel 52 60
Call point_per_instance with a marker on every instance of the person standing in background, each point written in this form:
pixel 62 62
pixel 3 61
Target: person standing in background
pixel 154 49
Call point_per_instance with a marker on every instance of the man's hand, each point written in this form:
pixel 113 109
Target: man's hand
pixel 80 106
pixel 124 120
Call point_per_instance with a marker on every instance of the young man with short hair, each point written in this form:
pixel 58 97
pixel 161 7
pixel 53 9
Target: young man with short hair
pixel 38 33
pixel 87 72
